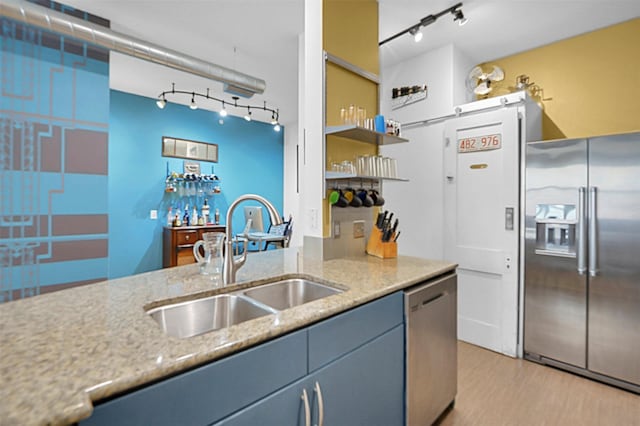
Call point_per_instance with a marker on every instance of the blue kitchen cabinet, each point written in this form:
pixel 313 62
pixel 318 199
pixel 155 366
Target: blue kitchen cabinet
pixel 363 387
pixel 350 366
pixel 356 373
pixel 209 393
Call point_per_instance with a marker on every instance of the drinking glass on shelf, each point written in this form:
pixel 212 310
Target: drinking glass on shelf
pixel 347 167
pixel 362 115
pixel 393 169
pixel 351 114
pixel 361 165
pixel 343 115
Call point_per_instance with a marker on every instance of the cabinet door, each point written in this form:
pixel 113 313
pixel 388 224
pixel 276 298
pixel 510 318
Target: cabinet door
pixel 283 408
pixel 366 386
pixel 213 391
pixel 339 335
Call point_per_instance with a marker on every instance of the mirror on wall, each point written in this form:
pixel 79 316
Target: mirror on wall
pixel 192 150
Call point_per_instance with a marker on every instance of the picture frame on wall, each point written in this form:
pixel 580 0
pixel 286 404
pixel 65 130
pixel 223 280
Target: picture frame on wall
pixel 189 149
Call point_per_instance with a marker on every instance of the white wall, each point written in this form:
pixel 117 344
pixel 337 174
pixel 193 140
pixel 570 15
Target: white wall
pixel 434 69
pixel 291 195
pixel 312 122
pixel 418 203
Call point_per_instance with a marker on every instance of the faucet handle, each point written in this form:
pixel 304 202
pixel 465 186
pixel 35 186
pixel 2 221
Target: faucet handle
pixel 238 262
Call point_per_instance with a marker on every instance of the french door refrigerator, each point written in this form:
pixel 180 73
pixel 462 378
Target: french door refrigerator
pixel 582 257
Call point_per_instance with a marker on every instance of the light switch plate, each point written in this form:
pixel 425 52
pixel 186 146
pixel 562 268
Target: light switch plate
pixel 358 229
pixel 153 214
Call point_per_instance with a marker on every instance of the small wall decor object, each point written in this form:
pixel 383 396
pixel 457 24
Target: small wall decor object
pixel 406 95
pixel 191 167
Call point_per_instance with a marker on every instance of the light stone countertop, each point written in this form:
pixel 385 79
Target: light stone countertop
pixel 61 351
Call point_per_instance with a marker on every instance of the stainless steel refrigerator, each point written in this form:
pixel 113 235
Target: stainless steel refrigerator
pixel 582 257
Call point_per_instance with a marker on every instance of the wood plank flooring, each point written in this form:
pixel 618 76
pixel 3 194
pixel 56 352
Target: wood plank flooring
pixel 496 390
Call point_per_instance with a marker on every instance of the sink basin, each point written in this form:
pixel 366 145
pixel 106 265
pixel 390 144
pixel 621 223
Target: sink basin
pixel 194 317
pixel 289 293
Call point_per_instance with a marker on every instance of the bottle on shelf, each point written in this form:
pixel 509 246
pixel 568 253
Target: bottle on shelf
pixel 177 221
pixel 185 217
pixel 170 217
pixel 205 211
pixel 194 215
pixel 217 217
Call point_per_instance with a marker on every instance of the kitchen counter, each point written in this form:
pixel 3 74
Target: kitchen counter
pixel 63 350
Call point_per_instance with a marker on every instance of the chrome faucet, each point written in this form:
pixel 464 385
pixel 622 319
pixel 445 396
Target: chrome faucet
pixel 230 265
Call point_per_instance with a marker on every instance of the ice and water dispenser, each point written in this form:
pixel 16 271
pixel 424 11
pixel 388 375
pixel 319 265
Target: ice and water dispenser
pixel 556 229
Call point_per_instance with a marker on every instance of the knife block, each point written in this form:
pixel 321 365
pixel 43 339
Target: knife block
pixel 377 248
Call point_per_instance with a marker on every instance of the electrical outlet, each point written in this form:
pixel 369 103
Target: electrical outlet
pixel 153 214
pixel 313 218
pixel 336 229
pixel 358 229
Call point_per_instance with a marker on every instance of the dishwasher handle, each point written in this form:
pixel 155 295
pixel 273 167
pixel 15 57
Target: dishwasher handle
pixel 425 302
pixel 429 292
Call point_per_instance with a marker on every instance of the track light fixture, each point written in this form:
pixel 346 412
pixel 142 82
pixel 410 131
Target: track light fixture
pixel 459 16
pixel 161 102
pixel 414 30
pixel 416 33
pixel 275 113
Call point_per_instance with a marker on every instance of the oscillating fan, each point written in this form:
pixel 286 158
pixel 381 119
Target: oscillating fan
pixel 479 82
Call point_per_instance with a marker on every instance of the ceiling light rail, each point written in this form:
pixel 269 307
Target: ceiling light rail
pixel 161 102
pixel 415 30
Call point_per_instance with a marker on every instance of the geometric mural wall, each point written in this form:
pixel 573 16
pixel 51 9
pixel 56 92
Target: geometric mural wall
pixel 54 124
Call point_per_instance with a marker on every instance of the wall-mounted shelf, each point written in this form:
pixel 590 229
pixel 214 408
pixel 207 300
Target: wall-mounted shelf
pixel 363 135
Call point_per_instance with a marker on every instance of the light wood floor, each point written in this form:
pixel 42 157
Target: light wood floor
pixel 498 390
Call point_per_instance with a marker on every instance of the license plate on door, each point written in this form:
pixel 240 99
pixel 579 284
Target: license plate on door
pixel 480 143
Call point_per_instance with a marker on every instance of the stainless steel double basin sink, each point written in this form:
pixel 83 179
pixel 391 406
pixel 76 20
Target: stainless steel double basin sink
pixel 198 316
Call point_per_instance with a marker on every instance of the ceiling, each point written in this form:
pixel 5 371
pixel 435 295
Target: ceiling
pixel 260 37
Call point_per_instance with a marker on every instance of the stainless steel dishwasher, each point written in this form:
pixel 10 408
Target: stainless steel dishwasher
pixel 432 354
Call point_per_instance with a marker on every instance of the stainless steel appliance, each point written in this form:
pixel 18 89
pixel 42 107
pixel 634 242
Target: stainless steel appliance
pixel 582 257
pixel 432 353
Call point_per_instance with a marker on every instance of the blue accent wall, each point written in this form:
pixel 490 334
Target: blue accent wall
pixel 250 160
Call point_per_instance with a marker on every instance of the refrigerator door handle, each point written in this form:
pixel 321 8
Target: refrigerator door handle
pixel 593 232
pixel 582 230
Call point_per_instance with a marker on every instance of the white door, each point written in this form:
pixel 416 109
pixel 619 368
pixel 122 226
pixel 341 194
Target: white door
pixel 481 216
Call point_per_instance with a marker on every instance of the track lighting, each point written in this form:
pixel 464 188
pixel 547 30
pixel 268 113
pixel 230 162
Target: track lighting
pixel 223 112
pixel 416 33
pixel 414 30
pixel 459 16
pixel 161 102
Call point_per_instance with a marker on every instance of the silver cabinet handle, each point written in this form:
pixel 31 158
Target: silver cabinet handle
pixel 582 230
pixel 320 404
pixel 593 232
pixel 307 413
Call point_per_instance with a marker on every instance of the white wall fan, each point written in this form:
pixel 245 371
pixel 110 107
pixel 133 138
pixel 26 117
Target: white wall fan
pixel 479 82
